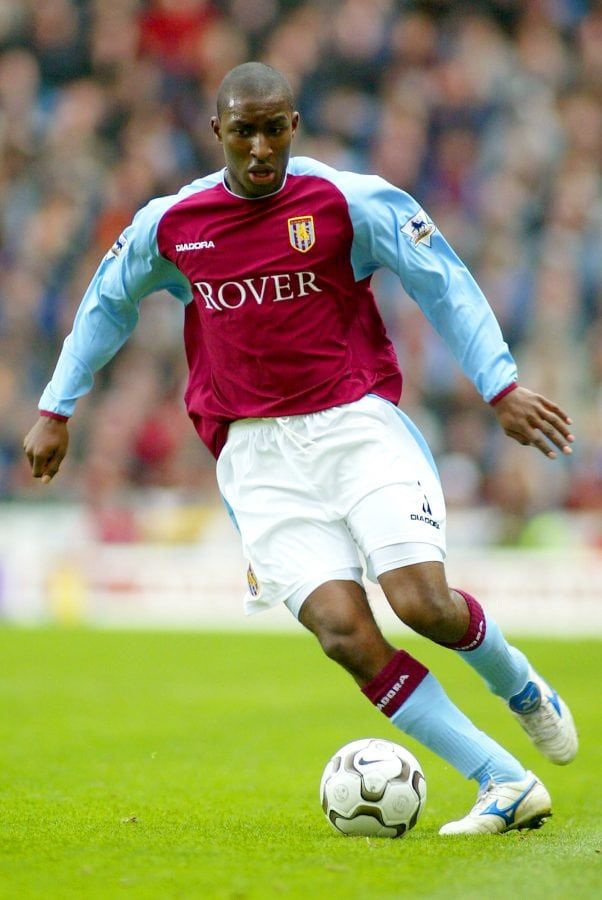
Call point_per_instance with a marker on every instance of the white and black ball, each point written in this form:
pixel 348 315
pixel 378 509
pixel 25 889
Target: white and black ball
pixel 373 787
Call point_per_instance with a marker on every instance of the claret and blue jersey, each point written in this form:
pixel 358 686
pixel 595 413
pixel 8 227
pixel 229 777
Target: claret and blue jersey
pixel 280 318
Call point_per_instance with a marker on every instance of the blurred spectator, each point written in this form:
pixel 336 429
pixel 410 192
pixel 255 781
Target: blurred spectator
pixel 171 32
pixel 489 113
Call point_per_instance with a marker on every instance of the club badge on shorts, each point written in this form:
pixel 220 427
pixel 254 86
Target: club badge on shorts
pixel 301 233
pixel 253 583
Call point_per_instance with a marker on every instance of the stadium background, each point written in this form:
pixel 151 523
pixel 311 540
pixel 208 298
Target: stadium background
pixel 487 112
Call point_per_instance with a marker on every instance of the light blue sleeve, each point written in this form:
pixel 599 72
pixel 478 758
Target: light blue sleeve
pixel 391 230
pixel 108 312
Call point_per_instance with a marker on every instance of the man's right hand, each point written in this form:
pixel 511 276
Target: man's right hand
pixel 46 446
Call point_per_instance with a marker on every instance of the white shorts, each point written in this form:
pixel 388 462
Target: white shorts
pixel 310 493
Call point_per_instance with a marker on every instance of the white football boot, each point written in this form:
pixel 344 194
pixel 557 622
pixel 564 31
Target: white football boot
pixel 503 806
pixel 547 720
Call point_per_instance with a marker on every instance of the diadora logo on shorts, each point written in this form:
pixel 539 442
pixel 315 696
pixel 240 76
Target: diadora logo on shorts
pixel 195 245
pixel 415 517
pixel 392 692
pixel 428 512
pixel 272 288
pixel 426 506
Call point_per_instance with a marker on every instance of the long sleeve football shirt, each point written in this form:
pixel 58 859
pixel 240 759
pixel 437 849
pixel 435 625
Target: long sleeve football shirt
pixel 279 315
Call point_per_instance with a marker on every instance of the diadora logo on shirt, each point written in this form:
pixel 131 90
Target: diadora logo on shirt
pixel 195 245
pixel 271 288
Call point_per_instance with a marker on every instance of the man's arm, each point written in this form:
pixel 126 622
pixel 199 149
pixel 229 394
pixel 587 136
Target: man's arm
pixel 392 230
pixel 105 319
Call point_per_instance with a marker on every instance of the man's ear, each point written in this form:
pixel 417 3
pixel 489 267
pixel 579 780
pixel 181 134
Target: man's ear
pixel 216 128
pixel 294 122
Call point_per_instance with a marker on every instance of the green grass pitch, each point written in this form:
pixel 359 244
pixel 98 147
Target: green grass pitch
pixel 186 765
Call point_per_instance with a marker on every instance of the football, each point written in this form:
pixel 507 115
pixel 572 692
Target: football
pixel 374 788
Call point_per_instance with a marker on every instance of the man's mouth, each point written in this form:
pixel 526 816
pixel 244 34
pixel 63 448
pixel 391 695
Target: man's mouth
pixel 262 175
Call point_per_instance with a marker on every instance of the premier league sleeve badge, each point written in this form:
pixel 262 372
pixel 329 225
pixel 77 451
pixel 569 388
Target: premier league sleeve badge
pixel 419 228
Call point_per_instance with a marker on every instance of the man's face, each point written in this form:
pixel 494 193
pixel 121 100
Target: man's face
pixel 256 135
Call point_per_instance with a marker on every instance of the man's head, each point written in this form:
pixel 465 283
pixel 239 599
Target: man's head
pixel 255 123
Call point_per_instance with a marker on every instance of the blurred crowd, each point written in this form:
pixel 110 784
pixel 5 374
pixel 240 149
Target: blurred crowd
pixel 488 112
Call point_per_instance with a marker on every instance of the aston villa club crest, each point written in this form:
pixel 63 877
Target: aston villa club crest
pixel 301 233
pixel 253 583
pixel 419 228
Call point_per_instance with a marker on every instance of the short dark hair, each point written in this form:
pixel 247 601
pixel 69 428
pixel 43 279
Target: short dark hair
pixel 255 79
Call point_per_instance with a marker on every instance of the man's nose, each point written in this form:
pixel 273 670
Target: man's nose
pixel 261 148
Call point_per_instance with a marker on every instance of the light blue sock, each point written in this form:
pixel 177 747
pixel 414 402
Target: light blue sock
pixel 504 668
pixel 484 647
pixel 429 716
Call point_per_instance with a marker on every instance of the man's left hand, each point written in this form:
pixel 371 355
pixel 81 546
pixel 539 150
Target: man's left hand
pixel 534 421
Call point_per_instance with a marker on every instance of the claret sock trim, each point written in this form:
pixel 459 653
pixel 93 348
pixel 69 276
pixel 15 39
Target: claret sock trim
pixel 477 626
pixel 392 686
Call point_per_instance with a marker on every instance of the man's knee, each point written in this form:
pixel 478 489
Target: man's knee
pixel 429 609
pixel 339 615
pixel 344 641
pixel 357 646
pixel 422 599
